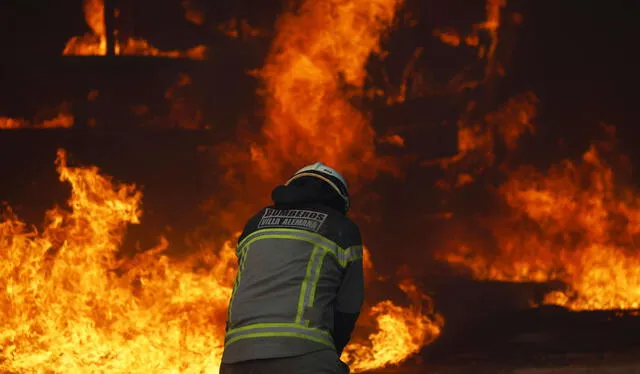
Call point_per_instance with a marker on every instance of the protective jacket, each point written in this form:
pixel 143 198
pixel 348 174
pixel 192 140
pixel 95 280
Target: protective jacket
pixel 299 286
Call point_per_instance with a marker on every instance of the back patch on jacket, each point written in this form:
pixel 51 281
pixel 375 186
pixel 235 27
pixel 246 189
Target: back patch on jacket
pixel 292 218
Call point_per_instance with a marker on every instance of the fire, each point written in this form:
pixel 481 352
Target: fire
pixel 317 63
pixel 240 28
pixel 95 42
pixel 77 303
pixel 477 139
pixel 485 51
pixel 573 223
pixel 401 332
pixel 70 305
pixel 62 119
pixel 491 25
pixel 192 14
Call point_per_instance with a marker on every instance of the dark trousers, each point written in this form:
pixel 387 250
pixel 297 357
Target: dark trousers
pixel 320 362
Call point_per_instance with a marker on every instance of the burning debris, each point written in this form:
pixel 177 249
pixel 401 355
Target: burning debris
pixel 74 301
pixel 95 43
pixel 240 28
pixel 574 224
pixel 68 290
pixel 73 305
pixel 63 118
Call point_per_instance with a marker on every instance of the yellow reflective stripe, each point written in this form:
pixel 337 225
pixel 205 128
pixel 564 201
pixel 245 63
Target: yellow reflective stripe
pixel 275 325
pixel 345 256
pixel 314 284
pixel 278 334
pixel 236 283
pixel 302 299
pixel 278 329
pixel 299 234
pixel 333 251
pixel 316 278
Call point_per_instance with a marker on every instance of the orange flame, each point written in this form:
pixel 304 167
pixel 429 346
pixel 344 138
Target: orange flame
pixel 401 332
pixel 317 63
pixel 95 43
pixel 477 140
pixel 108 313
pixel 192 14
pixel 491 26
pixel 316 66
pixel 71 306
pixel 63 119
pixel 235 28
pixel 572 224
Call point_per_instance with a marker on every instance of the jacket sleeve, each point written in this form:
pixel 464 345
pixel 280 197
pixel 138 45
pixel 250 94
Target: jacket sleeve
pixel 348 304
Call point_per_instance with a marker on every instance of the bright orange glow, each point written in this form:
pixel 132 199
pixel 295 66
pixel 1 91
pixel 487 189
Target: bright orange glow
pixel 477 140
pixel 448 37
pixel 235 28
pixel 393 139
pixel 317 62
pixel 63 119
pixel 491 25
pixel 95 43
pixel 401 332
pixel 75 306
pixel 7 123
pixel 192 14
pixel 70 305
pixel 573 223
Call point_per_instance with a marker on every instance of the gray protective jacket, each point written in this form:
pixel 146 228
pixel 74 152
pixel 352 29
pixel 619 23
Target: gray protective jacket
pixel 299 286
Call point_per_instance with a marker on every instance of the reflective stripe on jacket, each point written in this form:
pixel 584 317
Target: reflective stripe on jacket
pixel 292 277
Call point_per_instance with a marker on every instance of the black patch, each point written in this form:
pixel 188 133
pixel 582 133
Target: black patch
pixel 332 224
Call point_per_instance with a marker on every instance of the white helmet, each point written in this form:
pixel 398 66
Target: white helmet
pixel 328 175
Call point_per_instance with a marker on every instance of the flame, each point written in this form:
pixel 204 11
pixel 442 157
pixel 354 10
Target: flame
pixel 107 313
pixel 316 66
pixel 571 224
pixel 95 43
pixel 401 331
pixel 71 306
pixel 317 63
pixel 63 119
pixel 8 123
pixel 574 224
pixel 235 28
pixel 477 140
pixel 490 26
pixel 191 13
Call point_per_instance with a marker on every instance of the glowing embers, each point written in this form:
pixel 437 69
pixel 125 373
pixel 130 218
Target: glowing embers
pixel 94 43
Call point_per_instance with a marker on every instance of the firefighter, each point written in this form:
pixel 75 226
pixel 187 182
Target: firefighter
pixel 300 284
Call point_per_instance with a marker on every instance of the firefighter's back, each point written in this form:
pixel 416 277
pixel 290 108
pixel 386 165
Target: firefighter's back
pixel 300 286
pixel 291 263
